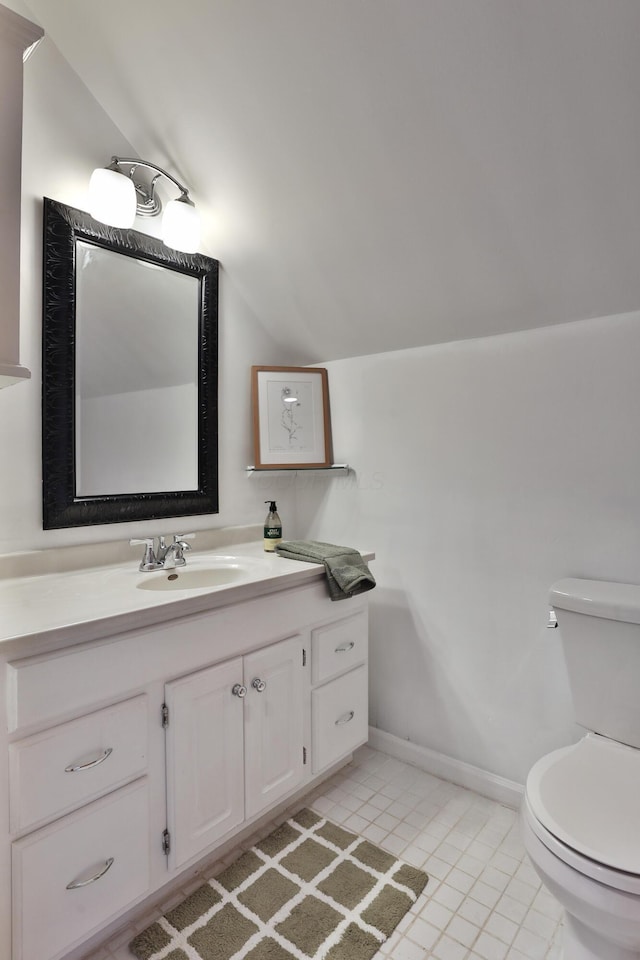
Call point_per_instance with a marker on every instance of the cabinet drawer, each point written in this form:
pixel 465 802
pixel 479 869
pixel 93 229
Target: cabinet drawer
pixel 337 647
pixel 64 767
pixel 103 849
pixel 339 718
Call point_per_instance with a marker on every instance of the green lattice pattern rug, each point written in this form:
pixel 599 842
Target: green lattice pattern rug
pixel 309 890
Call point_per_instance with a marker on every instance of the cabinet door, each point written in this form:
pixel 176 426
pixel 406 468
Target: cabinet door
pixel 204 759
pixel 274 728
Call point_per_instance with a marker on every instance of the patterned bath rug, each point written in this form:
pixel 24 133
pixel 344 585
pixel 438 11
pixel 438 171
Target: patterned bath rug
pixel 309 891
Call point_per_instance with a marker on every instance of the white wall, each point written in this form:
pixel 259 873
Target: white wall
pixel 67 134
pixel 390 174
pixel 486 470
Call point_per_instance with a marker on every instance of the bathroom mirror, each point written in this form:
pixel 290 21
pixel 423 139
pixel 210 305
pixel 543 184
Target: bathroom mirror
pixel 129 375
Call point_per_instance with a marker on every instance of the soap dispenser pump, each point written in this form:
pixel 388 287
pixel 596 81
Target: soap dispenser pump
pixel 272 528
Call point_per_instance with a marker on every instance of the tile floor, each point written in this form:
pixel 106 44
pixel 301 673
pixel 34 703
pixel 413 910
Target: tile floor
pixel 483 900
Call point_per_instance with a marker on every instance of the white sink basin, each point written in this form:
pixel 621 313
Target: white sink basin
pixel 217 574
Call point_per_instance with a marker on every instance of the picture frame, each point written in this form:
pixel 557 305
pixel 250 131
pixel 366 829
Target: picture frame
pixel 291 419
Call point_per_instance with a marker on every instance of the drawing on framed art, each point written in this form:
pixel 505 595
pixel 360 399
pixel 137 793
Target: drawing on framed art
pixel 291 423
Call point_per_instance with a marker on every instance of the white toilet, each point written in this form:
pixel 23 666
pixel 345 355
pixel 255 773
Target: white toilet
pixel 581 811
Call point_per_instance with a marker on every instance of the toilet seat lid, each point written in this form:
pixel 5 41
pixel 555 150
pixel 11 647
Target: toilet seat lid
pixel 588 796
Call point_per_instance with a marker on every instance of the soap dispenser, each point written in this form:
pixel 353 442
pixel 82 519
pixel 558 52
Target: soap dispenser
pixel 272 528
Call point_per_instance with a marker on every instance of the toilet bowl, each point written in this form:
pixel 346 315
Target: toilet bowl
pixel 581 828
pixel 580 817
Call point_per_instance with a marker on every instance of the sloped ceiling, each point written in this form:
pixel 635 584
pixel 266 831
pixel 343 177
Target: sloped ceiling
pixel 379 174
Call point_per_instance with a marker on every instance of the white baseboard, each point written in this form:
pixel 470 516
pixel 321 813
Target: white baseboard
pixel 456 771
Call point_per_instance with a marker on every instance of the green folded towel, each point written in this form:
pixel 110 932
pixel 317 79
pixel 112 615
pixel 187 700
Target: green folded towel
pixel 347 573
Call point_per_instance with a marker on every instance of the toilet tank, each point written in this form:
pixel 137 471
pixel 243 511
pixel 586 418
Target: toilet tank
pixel 600 632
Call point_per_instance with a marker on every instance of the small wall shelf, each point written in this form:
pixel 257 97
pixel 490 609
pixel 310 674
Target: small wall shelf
pixel 333 469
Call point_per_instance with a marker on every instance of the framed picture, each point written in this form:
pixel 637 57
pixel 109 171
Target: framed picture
pixel 291 424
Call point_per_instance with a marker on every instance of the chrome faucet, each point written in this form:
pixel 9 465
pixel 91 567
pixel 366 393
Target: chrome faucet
pixel 173 554
pixel 164 556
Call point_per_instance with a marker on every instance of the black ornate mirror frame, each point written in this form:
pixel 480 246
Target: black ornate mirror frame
pixel 63 225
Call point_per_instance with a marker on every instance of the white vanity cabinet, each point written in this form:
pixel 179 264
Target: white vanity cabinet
pixel 65 766
pixel 205 760
pixel 134 755
pixel 72 875
pixel 235 744
pixel 339 699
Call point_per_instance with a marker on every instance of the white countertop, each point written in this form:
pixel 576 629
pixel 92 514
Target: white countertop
pixel 85 604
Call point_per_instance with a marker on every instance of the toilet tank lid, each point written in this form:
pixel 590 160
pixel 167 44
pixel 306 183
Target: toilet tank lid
pixel 598 598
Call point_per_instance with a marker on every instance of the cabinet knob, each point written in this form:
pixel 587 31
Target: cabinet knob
pixel 239 690
pixel 259 685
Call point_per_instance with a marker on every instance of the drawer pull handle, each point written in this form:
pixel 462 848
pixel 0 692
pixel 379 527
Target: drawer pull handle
pixel 345 718
pixel 90 763
pixel 239 690
pixel 259 685
pixel 76 884
pixel 345 647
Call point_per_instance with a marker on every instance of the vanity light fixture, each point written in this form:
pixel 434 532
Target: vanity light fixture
pixel 116 197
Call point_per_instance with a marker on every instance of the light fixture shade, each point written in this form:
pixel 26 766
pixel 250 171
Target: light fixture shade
pixel 181 226
pixel 112 198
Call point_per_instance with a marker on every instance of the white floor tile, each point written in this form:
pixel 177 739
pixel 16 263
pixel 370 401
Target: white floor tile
pixel 426 842
pixel 448 896
pixel 506 864
pixel 356 823
pixel 459 880
pixel 498 926
pixel 530 944
pixel 538 923
pixel 375 834
pixel 447 852
pixel 483 900
pixel 415 856
pixel 407 950
pixel 387 822
pixel 489 947
pixel 437 868
pixel 447 949
pixel 350 802
pixel 494 878
pixel 423 933
pixel 473 911
pixel 393 844
pixel 522 892
pixel 463 931
pixel 547 904
pixel 369 812
pixel 485 894
pixel 437 914
pixel 511 908
pixel 470 865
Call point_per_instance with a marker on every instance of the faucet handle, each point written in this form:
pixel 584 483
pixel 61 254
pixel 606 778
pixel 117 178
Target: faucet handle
pixel 180 542
pixel 148 561
pixel 180 545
